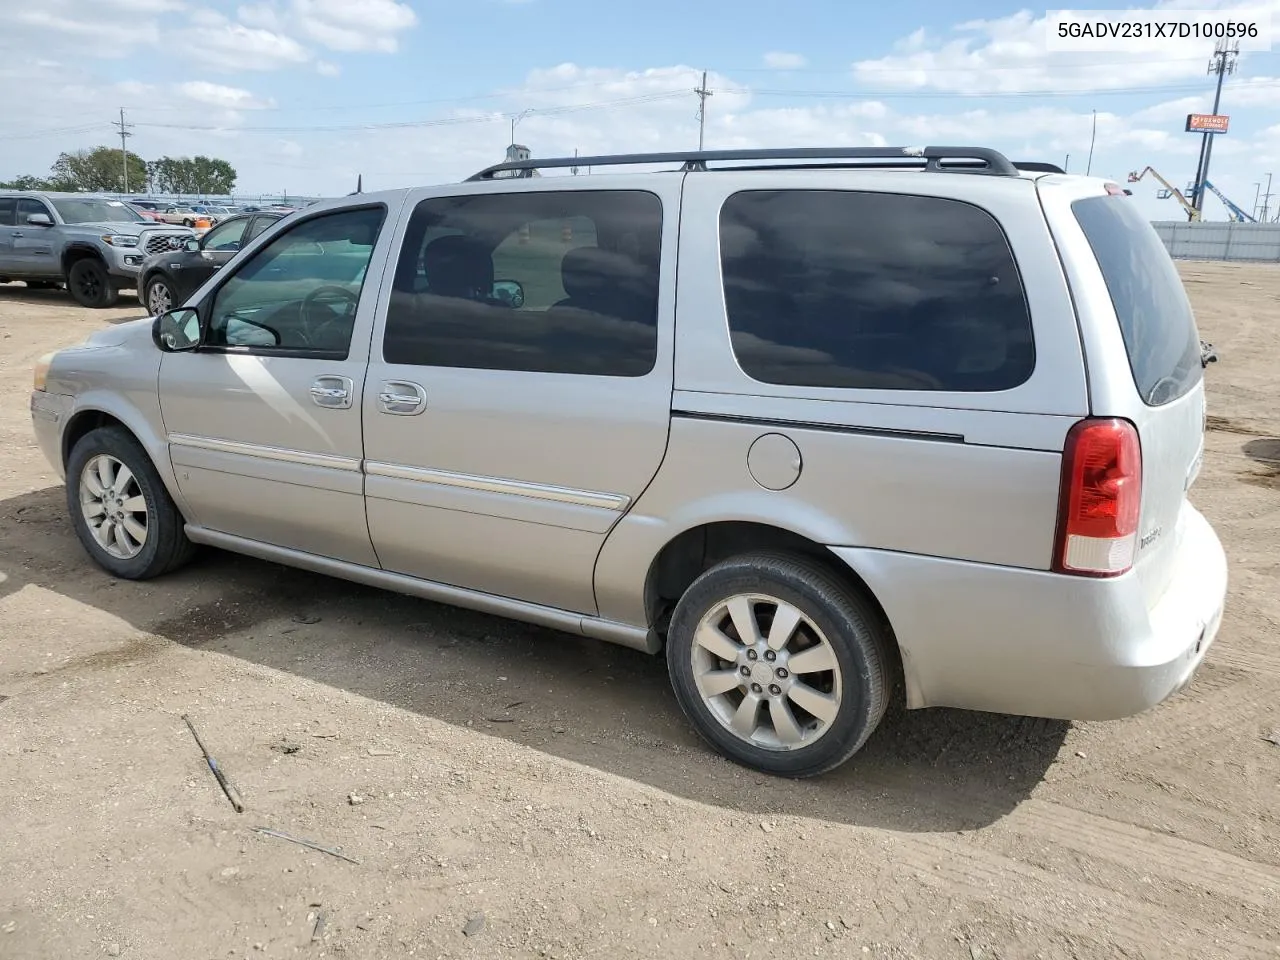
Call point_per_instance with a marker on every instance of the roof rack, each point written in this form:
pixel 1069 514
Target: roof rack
pixel 992 163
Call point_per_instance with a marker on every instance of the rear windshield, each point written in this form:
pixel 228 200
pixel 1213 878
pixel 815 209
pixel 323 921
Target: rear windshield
pixel 1155 317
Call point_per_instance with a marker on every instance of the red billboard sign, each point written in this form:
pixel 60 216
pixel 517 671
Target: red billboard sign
pixel 1207 123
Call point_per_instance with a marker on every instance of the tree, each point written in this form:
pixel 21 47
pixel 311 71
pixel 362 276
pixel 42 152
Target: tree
pixel 99 170
pixel 192 175
pixel 26 182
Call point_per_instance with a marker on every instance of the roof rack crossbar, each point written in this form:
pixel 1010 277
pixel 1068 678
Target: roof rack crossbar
pixel 995 163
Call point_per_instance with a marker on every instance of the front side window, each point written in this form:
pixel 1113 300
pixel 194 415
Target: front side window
pixel 872 291
pixel 29 208
pixel 554 282
pixel 299 293
pixel 226 237
pixel 93 210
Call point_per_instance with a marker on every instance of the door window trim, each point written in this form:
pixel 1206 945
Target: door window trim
pixel 205 305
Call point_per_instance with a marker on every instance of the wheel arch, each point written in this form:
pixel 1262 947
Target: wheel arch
pixel 91 413
pixel 692 551
pixel 77 251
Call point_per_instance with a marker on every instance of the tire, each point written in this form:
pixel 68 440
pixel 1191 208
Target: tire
pixel 158 290
pixel 164 547
pixel 90 285
pixel 835 626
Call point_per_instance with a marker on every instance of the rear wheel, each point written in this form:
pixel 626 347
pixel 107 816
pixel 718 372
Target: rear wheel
pixel 778 664
pixel 120 508
pixel 90 284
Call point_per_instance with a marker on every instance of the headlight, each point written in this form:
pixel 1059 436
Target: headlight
pixel 119 240
pixel 41 372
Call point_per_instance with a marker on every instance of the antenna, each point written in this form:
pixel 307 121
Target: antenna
pixel 702 93
pixel 124 152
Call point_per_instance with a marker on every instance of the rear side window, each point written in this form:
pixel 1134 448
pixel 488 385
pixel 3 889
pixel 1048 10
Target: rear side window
pixel 872 291
pixel 8 212
pixel 542 282
pixel 1155 316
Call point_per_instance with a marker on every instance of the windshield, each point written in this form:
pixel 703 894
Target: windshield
pixel 93 210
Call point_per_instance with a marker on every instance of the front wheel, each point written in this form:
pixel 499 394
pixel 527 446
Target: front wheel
pixel 778 664
pixel 90 284
pixel 120 508
pixel 159 296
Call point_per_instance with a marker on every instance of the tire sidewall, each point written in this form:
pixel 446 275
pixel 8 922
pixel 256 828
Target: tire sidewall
pixel 89 263
pixel 151 282
pixel 848 630
pixel 112 443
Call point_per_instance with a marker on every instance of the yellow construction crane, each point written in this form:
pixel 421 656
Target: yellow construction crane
pixel 1169 191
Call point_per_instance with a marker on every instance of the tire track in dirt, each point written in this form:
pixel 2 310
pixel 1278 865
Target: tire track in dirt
pixel 1179 861
pixel 1208 708
pixel 1070 906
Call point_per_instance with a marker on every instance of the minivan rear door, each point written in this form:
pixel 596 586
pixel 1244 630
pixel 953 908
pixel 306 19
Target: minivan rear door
pixel 1142 349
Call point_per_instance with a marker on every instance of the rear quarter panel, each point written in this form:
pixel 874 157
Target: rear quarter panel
pixel 963 476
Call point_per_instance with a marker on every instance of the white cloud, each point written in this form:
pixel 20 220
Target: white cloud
pixel 777 60
pixel 219 44
pixel 217 95
pixel 344 25
pixel 1010 55
pixel 327 69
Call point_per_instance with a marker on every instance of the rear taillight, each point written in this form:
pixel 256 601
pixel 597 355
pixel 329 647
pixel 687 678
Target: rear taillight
pixel 1101 496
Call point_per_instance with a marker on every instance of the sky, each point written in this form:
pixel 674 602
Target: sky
pixel 302 96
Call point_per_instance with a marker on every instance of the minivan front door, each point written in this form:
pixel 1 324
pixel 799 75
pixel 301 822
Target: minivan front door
pixel 263 419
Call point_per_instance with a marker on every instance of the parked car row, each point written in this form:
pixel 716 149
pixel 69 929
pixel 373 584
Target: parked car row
pixel 95 246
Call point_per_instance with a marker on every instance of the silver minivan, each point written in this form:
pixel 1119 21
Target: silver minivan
pixel 828 427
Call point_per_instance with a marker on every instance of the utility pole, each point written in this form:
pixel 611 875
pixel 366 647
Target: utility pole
pixel 1224 59
pixel 702 93
pixel 574 168
pixel 1266 201
pixel 1066 164
pixel 124 152
pixel 1092 137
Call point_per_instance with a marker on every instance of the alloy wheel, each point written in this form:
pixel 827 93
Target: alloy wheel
pixel 767 672
pixel 113 506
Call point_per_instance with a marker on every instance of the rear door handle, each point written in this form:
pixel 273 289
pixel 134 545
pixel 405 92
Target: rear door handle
pixel 17 233
pixel 402 398
pixel 332 391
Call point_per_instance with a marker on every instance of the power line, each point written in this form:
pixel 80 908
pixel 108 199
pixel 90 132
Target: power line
pixel 439 122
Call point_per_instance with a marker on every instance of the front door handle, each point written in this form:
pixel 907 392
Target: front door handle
pixel 17 233
pixel 332 391
pixel 402 398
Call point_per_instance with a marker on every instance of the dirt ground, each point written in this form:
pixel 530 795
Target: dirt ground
pixel 480 768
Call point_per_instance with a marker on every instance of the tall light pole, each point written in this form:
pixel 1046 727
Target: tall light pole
pixel 1225 55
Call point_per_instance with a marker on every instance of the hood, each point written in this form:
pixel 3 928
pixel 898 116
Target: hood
pixel 126 229
pixel 119 333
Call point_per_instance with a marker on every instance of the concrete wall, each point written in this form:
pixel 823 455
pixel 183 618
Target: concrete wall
pixel 1220 241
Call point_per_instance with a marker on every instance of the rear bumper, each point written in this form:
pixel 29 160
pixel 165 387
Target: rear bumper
pixel 1040 644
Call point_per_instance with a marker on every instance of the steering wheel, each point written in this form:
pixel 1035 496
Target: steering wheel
pixel 315 325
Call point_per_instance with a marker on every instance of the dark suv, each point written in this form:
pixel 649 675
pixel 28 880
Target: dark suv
pixel 169 277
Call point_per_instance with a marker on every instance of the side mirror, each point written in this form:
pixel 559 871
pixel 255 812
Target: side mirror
pixel 510 292
pixel 176 331
pixel 40 220
pixel 192 245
